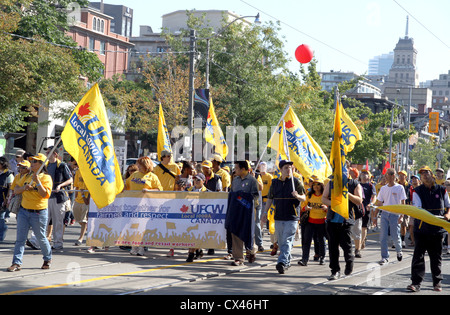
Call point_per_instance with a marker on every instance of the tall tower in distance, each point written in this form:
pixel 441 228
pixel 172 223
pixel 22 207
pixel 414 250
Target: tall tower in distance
pixel 403 72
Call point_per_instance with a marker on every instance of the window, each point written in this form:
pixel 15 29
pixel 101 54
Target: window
pixel 102 27
pixel 102 48
pixel 94 24
pixel 91 44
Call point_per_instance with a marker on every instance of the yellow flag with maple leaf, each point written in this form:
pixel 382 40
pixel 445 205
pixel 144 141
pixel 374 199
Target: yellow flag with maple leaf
pixel 301 148
pixel 87 138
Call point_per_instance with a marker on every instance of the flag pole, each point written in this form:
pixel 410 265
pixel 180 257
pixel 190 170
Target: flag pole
pixel 286 150
pixel 279 122
pixel 50 153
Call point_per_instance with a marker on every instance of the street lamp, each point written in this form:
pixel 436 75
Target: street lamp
pixel 192 51
pixel 257 22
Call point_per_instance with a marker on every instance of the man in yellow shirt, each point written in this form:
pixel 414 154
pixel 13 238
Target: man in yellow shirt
pixel 81 205
pixel 224 175
pixel 440 179
pixel 167 171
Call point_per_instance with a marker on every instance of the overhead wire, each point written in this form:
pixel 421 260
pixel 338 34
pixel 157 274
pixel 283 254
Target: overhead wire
pixel 301 32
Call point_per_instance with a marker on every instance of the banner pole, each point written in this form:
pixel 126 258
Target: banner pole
pixel 279 122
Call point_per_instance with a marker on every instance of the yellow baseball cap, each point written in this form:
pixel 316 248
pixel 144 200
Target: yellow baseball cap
pixel 39 157
pixel 25 163
pixel 207 164
pixel 425 168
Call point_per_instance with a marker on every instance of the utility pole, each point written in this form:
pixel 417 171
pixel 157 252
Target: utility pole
pixel 192 57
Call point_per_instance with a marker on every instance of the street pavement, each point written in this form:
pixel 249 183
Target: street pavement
pixel 74 271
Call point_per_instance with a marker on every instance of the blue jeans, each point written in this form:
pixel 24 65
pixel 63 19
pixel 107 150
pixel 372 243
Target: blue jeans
pixel 389 224
pixel 38 223
pixel 3 226
pixel 285 231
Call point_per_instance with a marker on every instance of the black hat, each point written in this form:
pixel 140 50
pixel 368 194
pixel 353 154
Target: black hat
pixel 284 162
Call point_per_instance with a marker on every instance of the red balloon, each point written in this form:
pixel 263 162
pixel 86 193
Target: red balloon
pixel 303 54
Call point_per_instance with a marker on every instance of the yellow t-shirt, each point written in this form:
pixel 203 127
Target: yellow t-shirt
pixel 79 184
pixel 139 181
pixel 18 180
pixel 267 182
pixel 167 181
pixel 225 177
pixel 440 181
pixel 316 215
pixel 32 199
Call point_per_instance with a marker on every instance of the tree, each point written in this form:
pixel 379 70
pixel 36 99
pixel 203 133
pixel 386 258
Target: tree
pixel 37 70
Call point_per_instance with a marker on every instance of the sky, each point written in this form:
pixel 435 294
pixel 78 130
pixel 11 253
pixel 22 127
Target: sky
pixel 344 35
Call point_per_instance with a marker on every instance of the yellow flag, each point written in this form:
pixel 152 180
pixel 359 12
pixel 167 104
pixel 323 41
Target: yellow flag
pixel 350 133
pixel 344 138
pixel 301 148
pixel 87 138
pixel 163 142
pixel 418 213
pixel 213 133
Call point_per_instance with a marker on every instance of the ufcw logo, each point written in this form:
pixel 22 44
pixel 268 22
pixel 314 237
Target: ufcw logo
pixel 95 144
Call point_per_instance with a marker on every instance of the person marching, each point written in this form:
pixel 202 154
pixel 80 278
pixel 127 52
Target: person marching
pixel 36 190
pixel 286 193
pixel 143 180
pixel 427 237
pixel 315 224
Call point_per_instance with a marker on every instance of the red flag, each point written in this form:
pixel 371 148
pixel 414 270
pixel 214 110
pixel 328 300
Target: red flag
pixel 386 166
pixel 367 164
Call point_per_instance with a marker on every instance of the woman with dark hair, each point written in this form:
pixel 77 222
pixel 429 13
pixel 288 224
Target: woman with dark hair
pixel 315 224
pixel 33 212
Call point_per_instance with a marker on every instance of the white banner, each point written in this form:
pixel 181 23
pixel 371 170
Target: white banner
pixel 160 219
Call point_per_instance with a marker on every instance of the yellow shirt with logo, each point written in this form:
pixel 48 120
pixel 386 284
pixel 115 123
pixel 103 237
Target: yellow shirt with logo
pixel 316 215
pixel 167 180
pixel 32 199
pixel 79 184
pixel 139 181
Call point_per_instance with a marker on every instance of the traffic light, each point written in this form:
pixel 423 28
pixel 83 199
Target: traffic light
pixel 393 158
pixel 433 122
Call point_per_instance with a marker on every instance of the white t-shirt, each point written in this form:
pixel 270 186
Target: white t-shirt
pixel 391 195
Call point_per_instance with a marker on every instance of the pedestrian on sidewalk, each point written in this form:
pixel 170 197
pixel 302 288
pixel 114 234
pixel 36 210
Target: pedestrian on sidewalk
pixel 390 194
pixel 427 237
pixel 286 192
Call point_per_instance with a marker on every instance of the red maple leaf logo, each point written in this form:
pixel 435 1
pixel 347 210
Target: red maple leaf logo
pixel 184 208
pixel 84 110
pixel 289 124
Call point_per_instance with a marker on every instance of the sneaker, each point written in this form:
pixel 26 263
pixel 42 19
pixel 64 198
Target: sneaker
pixel 437 287
pixel 321 261
pixel 140 251
pixel 302 262
pixel 237 263
pixel 211 251
pixel 78 243
pixel 46 264
pixel 260 249
pixel 334 276
pixel 14 267
pixel 281 268
pixel 413 288
pixel 198 253
pixel 357 253
pixel 348 268
pixel 383 261
pixel 399 256
pixel 229 256
pixel 30 245
pixel 190 257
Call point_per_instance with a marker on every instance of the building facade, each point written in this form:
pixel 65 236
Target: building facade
pixel 92 32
